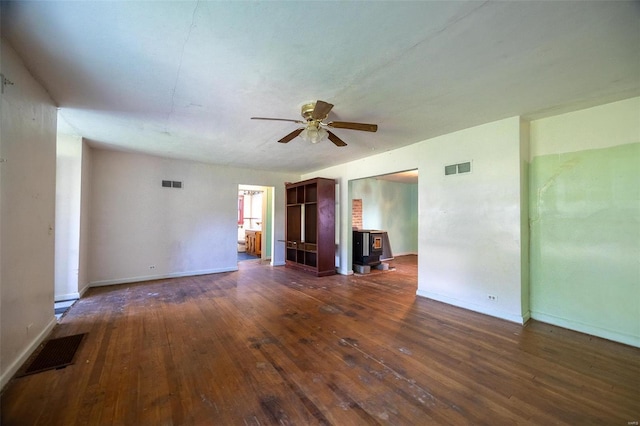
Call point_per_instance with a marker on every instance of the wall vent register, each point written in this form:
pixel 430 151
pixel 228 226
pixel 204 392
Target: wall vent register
pixel 457 168
pixel 171 184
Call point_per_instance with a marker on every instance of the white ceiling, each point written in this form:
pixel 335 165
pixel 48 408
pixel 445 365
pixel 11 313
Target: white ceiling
pixel 182 79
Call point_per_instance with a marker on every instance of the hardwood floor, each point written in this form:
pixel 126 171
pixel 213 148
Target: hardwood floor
pixel 275 346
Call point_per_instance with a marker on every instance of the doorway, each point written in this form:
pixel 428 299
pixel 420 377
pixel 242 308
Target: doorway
pixel 255 215
pixel 387 203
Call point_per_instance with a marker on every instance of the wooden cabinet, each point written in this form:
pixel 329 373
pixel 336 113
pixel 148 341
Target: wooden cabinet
pixel 310 226
pixel 253 242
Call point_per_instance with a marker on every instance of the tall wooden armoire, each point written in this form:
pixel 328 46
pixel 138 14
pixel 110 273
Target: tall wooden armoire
pixel 310 226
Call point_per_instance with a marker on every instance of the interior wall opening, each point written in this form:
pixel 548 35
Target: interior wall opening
pixel 384 219
pixel 255 227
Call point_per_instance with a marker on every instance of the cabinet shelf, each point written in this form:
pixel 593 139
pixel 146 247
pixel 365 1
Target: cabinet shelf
pixel 310 226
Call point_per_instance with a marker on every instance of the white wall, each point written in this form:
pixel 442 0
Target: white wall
pixel 85 218
pixel 471 232
pixel 604 126
pixel 470 225
pixel 27 215
pixel 140 230
pixel 68 203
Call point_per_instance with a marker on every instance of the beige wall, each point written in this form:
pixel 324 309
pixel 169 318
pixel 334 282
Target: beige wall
pixel 140 230
pixel 27 200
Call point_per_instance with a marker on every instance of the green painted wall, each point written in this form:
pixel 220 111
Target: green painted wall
pixel 268 221
pixel 584 212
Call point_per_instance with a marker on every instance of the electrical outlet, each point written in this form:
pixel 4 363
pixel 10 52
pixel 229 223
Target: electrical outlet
pixel 492 298
pixel 152 267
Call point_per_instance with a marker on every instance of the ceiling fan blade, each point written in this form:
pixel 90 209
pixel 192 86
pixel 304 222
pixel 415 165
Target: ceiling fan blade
pixel 291 136
pixel 353 126
pixel 278 119
pixel 321 110
pixel 336 140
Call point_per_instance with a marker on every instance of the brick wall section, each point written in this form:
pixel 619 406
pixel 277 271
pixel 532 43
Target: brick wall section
pixel 356 214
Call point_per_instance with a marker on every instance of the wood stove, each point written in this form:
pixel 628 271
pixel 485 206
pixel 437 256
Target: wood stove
pixel 367 246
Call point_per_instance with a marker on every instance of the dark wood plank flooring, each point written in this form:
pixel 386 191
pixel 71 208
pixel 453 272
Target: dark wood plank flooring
pixel 275 346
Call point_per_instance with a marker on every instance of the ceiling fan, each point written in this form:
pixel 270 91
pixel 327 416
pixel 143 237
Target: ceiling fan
pixel 314 113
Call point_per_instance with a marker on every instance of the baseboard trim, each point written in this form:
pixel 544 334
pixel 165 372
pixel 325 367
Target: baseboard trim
pixel 83 290
pixel 13 368
pixel 103 283
pixel 589 329
pixel 344 271
pixel 65 297
pixel 518 319
pixel 71 296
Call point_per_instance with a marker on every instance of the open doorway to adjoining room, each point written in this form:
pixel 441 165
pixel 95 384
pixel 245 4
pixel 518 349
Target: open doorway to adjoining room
pixel 384 220
pixel 255 215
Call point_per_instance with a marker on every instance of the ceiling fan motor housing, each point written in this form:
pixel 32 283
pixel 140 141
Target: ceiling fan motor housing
pixel 307 111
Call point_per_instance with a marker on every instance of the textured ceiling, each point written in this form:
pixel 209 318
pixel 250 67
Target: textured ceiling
pixel 182 79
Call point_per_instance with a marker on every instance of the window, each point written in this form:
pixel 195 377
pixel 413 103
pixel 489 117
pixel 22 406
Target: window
pixel 240 210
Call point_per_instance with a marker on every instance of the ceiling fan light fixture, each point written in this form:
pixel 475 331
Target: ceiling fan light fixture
pixel 313 134
pixel 314 114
